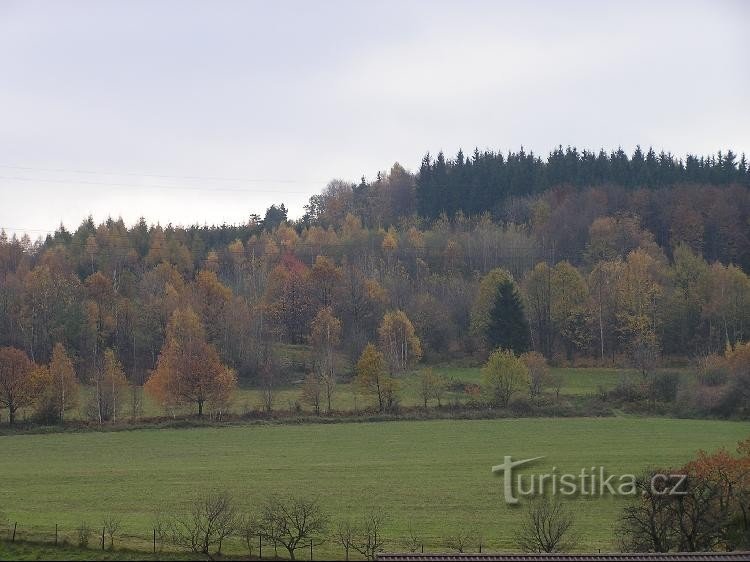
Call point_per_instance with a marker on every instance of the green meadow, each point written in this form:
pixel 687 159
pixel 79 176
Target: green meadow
pixel 432 476
pixel 575 382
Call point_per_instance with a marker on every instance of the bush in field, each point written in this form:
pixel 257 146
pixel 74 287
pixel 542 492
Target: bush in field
pixel 664 386
pixel 713 371
pixel 503 375
pixel 539 373
pixel 84 535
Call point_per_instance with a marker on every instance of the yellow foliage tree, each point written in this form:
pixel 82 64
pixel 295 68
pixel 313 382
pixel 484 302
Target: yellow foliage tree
pixel 503 375
pixel 398 341
pixel 56 386
pixel 373 380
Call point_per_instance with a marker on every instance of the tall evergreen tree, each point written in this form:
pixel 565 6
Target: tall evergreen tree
pixel 508 327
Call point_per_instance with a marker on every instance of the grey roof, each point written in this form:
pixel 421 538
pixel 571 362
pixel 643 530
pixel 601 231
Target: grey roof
pixel 560 557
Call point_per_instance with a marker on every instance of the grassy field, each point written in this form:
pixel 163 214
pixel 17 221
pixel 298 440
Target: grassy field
pixel 434 475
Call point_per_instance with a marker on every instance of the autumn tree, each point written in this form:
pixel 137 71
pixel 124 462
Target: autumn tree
pixel 289 297
pixel 502 376
pixel 111 388
pixel 699 507
pixel 539 373
pixel 312 391
pixel 57 386
pixel 431 386
pixel 373 380
pixel 639 292
pixel 398 341
pixel 189 370
pixel 211 300
pixel 16 381
pixel 325 336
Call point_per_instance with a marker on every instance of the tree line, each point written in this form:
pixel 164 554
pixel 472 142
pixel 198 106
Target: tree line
pixel 450 290
pixel 485 180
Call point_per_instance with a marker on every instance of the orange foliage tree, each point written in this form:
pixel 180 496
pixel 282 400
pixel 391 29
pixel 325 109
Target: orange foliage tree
pixel 16 381
pixel 189 370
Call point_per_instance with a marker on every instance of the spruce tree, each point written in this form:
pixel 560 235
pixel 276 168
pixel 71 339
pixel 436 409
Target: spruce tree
pixel 508 327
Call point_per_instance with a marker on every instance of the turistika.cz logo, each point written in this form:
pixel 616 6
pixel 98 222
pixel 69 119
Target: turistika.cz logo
pixel 589 481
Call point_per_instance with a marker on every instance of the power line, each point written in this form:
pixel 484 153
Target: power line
pixel 138 174
pixel 171 187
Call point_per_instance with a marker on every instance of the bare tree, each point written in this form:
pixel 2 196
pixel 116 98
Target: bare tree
pixel 414 540
pixel 84 534
pixel 546 527
pixel 647 524
pixel 369 539
pixel 212 519
pixel 460 540
pixel 160 523
pixel 346 534
pixel 250 528
pixel 293 522
pixel 112 528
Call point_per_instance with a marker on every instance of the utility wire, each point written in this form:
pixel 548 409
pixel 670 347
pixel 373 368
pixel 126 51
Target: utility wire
pixel 136 174
pixel 172 187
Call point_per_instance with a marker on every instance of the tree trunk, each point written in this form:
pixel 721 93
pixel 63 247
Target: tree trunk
pixel 11 414
pixel 200 408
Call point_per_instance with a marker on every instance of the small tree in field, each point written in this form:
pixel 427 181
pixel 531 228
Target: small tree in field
pixel 369 538
pixel 546 527
pixel 346 534
pixel 293 522
pixel 431 386
pixel 373 380
pixel 189 370
pixel 539 375
pixel 211 520
pixel 502 375
pixel 459 540
pixel 112 528
pixel 312 391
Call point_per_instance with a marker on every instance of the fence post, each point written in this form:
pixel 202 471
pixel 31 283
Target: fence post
pixel 260 546
pixel 311 553
pixel 154 540
pixel 102 538
pixel 15 526
pixel 422 548
pixel 55 534
pixel 480 547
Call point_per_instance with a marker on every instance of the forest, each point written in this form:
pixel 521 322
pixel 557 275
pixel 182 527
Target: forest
pixel 638 260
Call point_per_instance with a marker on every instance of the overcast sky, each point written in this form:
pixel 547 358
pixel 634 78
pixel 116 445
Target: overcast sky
pixel 222 108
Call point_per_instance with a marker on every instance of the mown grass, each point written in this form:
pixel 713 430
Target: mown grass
pixel 433 476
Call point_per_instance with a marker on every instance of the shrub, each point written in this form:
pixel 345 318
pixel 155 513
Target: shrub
pixel 521 406
pixel 664 386
pixel 84 535
pixel 713 371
